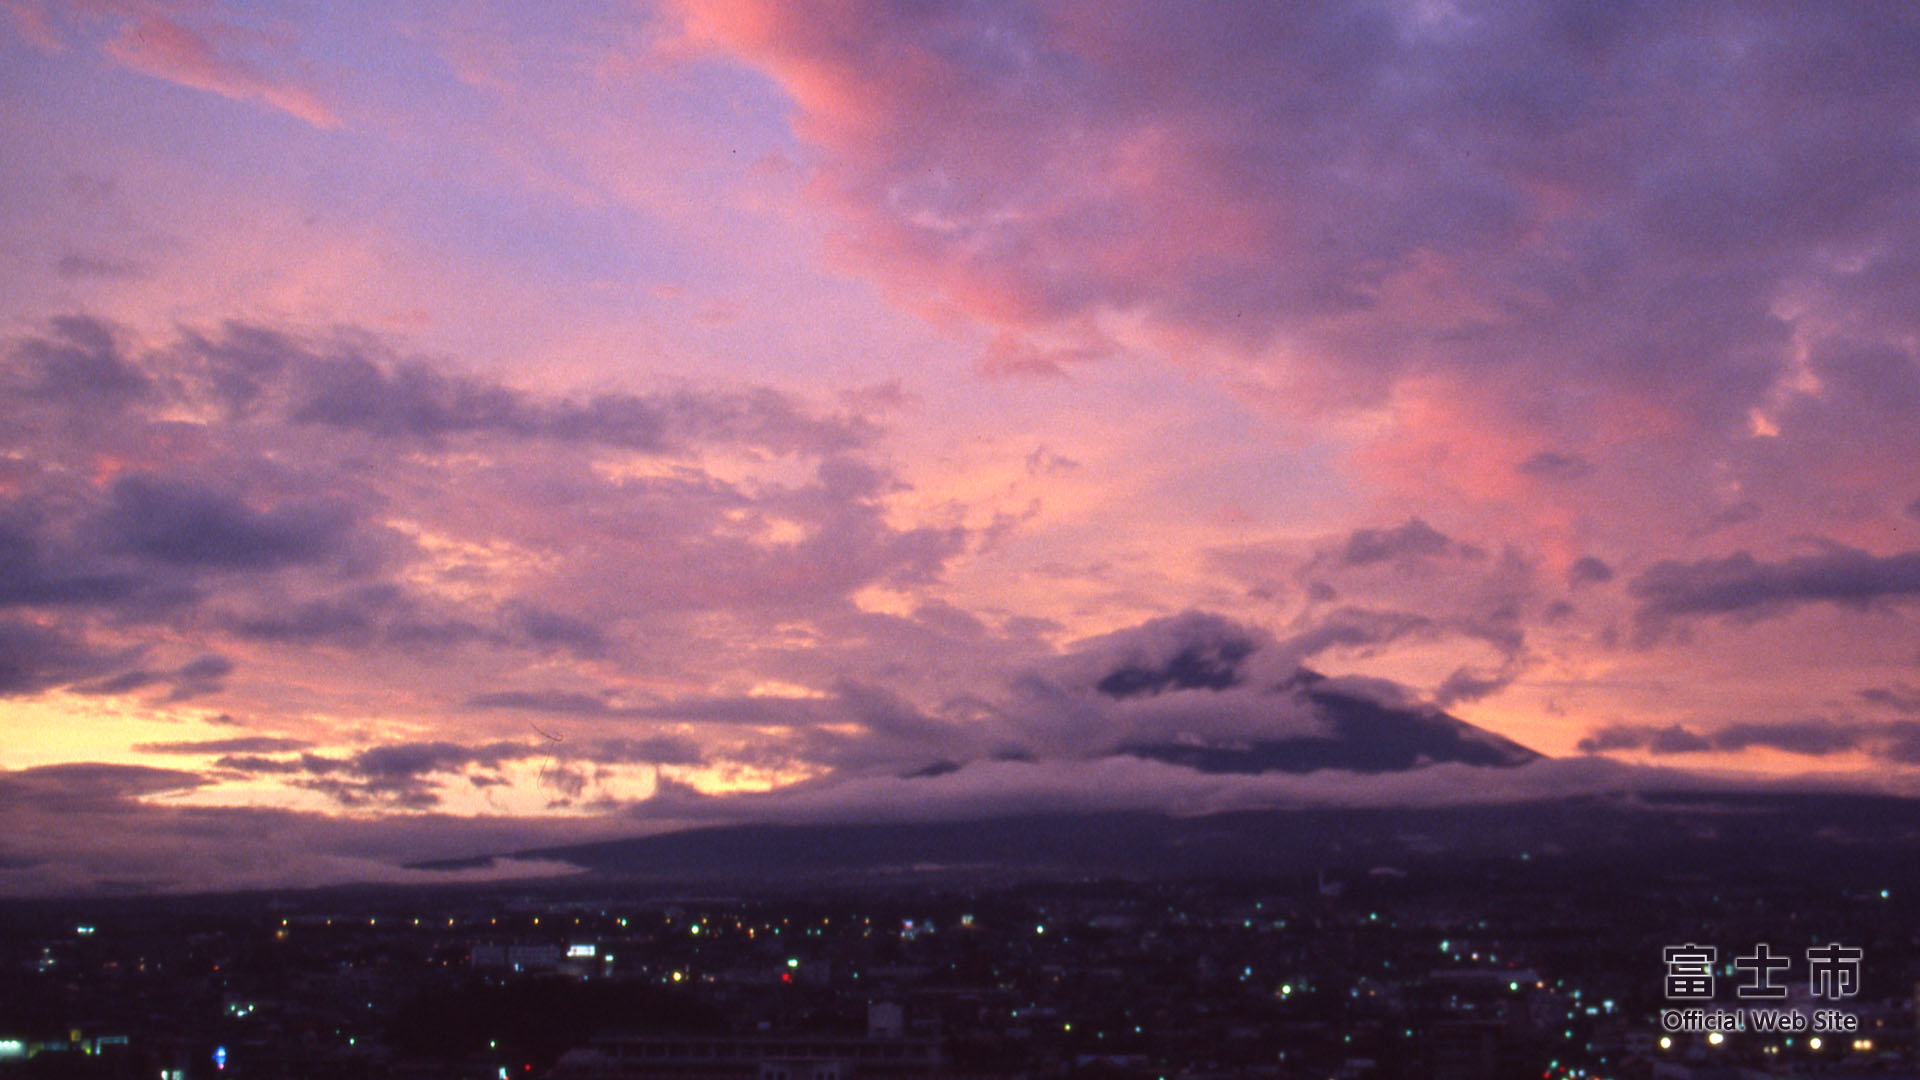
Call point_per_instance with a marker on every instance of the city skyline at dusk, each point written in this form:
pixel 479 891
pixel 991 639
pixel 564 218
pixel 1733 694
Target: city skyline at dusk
pixel 445 430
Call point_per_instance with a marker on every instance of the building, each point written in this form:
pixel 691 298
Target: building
pixel 754 1057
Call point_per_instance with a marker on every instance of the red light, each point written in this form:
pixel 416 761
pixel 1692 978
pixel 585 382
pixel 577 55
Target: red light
pixel 786 976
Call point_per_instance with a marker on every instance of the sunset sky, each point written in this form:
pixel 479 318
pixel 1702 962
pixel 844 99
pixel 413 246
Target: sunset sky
pixel 439 428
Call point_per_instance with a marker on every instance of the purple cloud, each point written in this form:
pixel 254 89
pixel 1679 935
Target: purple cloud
pixel 1740 584
pixel 174 521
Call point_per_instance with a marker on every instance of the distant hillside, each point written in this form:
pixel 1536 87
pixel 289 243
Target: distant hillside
pixel 1691 831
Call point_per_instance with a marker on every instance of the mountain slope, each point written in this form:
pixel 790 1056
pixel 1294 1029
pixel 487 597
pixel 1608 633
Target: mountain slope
pixel 1365 736
pixel 1684 831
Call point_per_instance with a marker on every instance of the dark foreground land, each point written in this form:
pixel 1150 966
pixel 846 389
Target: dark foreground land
pixel 1380 951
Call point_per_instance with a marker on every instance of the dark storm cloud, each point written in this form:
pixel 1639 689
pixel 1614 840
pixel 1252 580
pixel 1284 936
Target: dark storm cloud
pixel 1673 739
pixel 647 750
pixel 389 774
pixel 248 523
pixel 1352 627
pixel 873 708
pixel 1813 738
pixel 854 727
pixel 1740 584
pixel 1870 380
pixel 380 762
pixel 29 579
pixel 204 668
pixel 678 541
pixel 1414 539
pixel 1901 697
pixel 880 713
pixel 394 792
pixel 350 619
pixel 197 677
pixel 1614 737
pixel 567 702
pixel 415 759
pixel 86 786
pixel 1472 684
pixel 351 382
pixel 888 715
pixel 123 683
pixel 34 658
pixel 434 635
pixel 258 764
pixel 1553 465
pixel 241 365
pixel 408 775
pixel 79 364
pixel 1413 582
pixel 246 744
pixel 359 618
pixel 1737 514
pixel 545 627
pixel 1905 745
pixel 1374 588
pixel 179 522
pixel 388 614
pixel 414 399
pixel 1807 738
pixel 76 266
pixel 1588 570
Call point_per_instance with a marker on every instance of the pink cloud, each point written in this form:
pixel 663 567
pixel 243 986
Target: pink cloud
pixel 204 52
pixel 1330 201
pixel 158 46
pixel 35 25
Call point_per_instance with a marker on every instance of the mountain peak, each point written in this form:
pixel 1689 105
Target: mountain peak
pixel 1362 735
